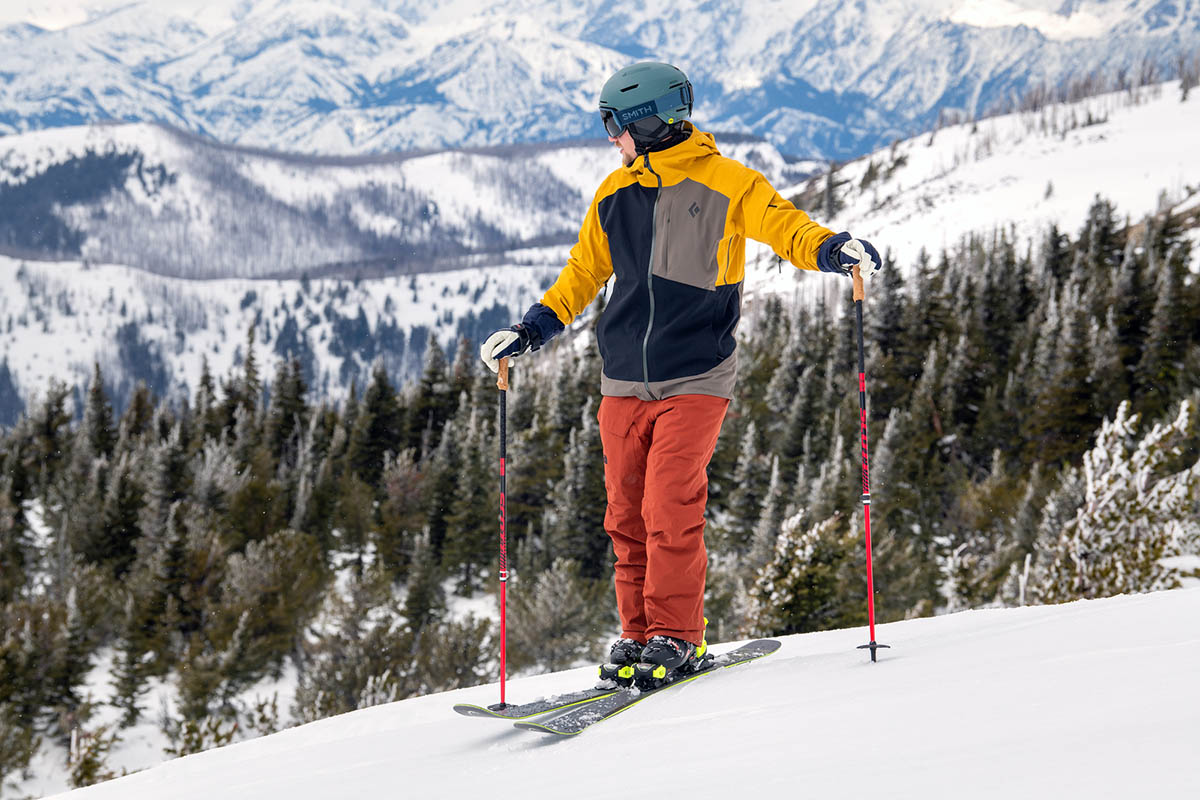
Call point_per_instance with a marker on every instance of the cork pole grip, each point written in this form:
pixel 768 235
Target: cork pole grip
pixel 502 378
pixel 859 292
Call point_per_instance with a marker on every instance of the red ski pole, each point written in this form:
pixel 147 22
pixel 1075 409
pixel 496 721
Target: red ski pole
pixel 502 385
pixel 859 295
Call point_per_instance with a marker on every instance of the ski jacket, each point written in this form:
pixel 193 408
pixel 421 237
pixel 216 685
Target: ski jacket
pixel 670 229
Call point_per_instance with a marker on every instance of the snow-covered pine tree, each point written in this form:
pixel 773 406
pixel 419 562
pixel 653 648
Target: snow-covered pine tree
pixel 574 521
pixel 557 617
pixel 804 587
pixel 98 426
pixel 471 527
pixel 775 506
pixel 750 479
pixel 1132 516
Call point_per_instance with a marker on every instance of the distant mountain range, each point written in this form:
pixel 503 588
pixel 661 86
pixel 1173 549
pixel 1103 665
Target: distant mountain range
pixel 172 203
pixel 818 78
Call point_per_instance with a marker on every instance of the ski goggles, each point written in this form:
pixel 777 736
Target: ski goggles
pixel 615 121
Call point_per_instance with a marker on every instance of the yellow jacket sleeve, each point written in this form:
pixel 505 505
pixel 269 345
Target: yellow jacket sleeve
pixel 588 268
pixel 770 219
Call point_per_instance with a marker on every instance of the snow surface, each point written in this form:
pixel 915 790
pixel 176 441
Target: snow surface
pixel 1095 699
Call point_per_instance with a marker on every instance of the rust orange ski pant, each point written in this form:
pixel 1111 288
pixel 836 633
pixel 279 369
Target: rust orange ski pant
pixel 655 459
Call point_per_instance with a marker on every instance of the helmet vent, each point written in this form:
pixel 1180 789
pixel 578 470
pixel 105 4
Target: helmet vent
pixel 631 86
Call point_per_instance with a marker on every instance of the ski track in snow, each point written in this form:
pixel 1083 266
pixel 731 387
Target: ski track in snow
pixel 1092 699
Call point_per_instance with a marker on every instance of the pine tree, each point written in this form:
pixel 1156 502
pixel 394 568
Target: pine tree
pixel 98 418
pixel 1132 516
pixel 425 602
pixel 431 406
pixel 114 542
pixel 471 527
pixel 379 429
pixel 287 413
pixel 167 484
pixel 1061 421
pixel 1159 371
pixel 775 507
pixel 750 480
pixel 557 617
pixel 575 513
pixel 806 585
pixel 139 414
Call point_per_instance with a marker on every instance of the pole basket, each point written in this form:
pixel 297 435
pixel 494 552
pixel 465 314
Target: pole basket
pixel 872 646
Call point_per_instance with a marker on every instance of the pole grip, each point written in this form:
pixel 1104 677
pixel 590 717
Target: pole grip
pixel 860 292
pixel 502 377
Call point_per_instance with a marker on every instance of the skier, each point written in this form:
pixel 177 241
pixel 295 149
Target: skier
pixel 670 227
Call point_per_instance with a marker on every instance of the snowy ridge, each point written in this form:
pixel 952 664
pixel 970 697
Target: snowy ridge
pixel 60 318
pixel 151 197
pixel 1088 699
pixel 355 76
pixel 1024 171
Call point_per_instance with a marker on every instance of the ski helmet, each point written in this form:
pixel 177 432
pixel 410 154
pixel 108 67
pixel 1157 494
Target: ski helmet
pixel 644 90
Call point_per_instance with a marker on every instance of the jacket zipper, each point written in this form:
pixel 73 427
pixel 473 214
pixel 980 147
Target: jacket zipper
pixel 650 279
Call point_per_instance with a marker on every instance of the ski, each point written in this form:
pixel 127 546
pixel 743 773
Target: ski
pixel 536 708
pixel 577 720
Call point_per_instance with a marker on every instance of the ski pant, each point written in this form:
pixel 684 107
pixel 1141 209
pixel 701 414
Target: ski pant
pixel 655 459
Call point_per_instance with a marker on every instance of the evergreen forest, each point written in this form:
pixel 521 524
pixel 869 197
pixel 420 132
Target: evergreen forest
pixel 1033 439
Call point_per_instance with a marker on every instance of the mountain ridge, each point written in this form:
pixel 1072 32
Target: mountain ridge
pixel 821 79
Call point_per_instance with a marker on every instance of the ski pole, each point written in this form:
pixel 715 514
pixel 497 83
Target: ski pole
pixel 502 385
pixel 859 295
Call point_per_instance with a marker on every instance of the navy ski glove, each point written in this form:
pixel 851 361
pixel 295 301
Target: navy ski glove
pixel 840 252
pixel 539 326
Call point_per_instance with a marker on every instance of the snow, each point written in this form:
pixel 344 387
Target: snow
pixel 1092 699
pixel 67 314
pixel 1029 171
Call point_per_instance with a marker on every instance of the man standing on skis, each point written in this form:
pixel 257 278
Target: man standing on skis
pixel 669 228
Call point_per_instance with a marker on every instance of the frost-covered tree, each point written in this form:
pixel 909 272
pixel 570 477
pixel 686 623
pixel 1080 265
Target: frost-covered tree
pixel 1133 515
pixel 557 617
pixel 574 522
pixel 803 588
pixel 750 480
pixel 98 417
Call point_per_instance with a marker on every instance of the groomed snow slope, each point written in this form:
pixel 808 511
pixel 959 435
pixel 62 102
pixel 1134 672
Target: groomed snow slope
pixel 1093 699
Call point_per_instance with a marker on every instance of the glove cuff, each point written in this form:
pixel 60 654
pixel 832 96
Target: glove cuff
pixel 541 325
pixel 827 254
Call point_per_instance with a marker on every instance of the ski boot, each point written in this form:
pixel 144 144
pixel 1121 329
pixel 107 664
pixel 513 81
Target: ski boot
pixel 667 659
pixel 619 669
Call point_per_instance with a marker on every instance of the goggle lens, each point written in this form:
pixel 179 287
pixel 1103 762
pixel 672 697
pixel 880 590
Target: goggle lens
pixel 610 123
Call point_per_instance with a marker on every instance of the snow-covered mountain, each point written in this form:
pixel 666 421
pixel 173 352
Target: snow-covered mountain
pixel 831 78
pixel 1092 699
pixel 1024 172
pixel 147 196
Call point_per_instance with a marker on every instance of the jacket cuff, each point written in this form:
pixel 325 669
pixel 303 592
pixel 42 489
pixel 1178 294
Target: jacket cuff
pixel 543 325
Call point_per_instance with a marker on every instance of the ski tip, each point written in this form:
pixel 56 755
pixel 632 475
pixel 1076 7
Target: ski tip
pixel 468 710
pixel 539 728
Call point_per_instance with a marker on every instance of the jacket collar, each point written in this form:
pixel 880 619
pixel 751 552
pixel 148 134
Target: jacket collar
pixel 676 159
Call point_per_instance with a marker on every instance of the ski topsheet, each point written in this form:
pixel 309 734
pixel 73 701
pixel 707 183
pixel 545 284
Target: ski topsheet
pixel 536 708
pixel 578 719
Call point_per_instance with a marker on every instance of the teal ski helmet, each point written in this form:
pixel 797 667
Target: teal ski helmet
pixel 643 90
